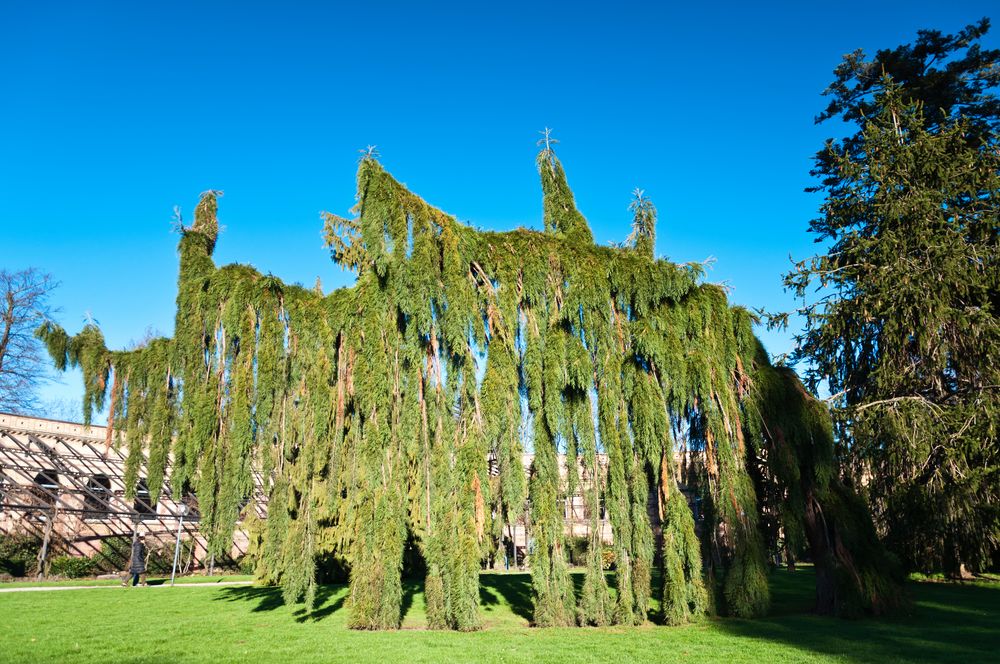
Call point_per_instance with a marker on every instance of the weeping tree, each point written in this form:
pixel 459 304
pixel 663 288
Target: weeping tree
pixel 375 414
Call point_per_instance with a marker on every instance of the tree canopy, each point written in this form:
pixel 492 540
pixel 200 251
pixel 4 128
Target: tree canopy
pixel 371 414
pixel 905 324
pixel 23 306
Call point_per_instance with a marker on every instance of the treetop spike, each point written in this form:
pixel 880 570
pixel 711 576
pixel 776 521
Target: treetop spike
pixel 546 139
pixel 640 202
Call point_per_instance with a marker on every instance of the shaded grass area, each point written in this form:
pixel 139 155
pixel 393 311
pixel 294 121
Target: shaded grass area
pixel 947 623
pixel 153 581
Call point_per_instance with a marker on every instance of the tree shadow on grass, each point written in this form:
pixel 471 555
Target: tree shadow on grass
pixel 165 581
pixel 329 600
pixel 946 623
pixel 410 588
pixel 268 598
pixel 323 607
pixel 515 589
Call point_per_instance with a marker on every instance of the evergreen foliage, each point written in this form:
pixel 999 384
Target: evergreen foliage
pixel 558 207
pixel 643 236
pixel 906 326
pixel 372 420
pixel 792 437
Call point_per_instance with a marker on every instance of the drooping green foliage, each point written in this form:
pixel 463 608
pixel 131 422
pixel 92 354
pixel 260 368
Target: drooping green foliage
pixel 85 351
pixel 792 437
pixel 683 594
pixel 400 409
pixel 558 207
pixel 905 328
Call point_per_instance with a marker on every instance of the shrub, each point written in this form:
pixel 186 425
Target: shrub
pixel 246 565
pixel 18 553
pixel 577 547
pixel 115 554
pixel 223 563
pixel 161 558
pixel 72 567
pixel 607 557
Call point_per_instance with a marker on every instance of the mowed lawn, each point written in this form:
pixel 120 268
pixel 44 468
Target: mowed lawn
pixel 152 580
pixel 947 623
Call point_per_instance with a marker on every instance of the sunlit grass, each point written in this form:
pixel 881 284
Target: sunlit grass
pixel 948 622
pixel 153 581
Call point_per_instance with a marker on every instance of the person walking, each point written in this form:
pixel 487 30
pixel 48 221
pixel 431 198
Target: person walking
pixel 137 564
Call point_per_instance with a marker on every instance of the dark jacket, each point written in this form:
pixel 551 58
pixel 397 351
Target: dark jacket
pixel 138 562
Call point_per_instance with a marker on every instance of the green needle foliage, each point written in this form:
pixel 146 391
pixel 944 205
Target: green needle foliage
pixel 792 439
pixel 904 326
pixel 643 236
pixel 372 420
pixel 558 207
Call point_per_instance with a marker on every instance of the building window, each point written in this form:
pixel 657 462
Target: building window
pixel 95 501
pixel 46 488
pixel 143 505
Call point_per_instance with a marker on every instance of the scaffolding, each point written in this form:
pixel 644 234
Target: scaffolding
pixel 64 484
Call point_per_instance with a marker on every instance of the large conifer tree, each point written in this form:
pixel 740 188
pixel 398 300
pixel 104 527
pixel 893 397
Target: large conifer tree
pixel 906 329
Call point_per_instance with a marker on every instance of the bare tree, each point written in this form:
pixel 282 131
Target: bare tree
pixel 23 307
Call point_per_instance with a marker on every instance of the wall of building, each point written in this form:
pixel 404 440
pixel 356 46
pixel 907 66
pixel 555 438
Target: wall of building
pixel 63 481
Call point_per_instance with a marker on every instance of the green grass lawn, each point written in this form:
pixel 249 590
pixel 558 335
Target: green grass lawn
pixel 152 580
pixel 947 622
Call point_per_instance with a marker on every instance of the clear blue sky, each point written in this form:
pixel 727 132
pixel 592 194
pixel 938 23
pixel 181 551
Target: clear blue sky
pixel 112 113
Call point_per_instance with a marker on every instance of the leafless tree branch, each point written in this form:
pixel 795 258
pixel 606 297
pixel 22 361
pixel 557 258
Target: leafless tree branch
pixel 23 307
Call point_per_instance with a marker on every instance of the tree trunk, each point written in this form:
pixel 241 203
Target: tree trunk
pixel 789 557
pixel 43 553
pixel 954 566
pixel 822 554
